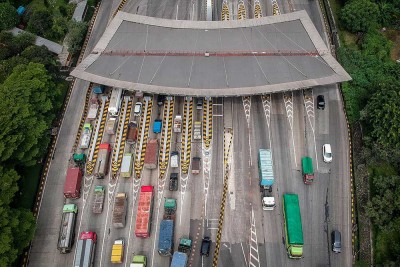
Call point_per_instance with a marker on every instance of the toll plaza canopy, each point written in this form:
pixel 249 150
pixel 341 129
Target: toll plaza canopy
pixel 211 58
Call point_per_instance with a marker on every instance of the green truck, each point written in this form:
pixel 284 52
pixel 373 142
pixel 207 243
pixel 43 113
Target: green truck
pixel 293 228
pixel 308 171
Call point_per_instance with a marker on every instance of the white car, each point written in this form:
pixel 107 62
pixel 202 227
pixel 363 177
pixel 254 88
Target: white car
pixel 138 109
pixel 327 153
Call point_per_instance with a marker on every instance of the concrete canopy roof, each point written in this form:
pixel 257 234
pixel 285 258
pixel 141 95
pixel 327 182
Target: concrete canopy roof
pixel 256 56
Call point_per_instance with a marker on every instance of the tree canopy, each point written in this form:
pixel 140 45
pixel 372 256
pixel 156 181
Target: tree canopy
pixel 8 16
pixel 76 34
pixel 360 15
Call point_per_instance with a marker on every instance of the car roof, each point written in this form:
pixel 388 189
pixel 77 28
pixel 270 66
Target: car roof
pixel 327 148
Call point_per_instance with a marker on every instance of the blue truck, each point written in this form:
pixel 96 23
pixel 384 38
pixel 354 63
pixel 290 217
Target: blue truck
pixel 180 257
pixel 157 126
pixel 99 89
pixel 266 174
pixel 166 238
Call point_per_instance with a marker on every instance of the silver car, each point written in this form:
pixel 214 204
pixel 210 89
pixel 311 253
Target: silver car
pixel 327 153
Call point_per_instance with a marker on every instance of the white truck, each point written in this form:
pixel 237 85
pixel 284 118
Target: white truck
pixel 115 102
pixel 111 125
pixel 86 135
pixel 197 130
pixel 93 109
pixel 178 124
pixel 174 159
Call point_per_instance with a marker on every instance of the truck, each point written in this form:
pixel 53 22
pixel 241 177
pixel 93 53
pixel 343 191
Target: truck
pixel 166 238
pixel 131 137
pixel 101 168
pixel 266 175
pixel 151 156
pixel 197 130
pixel 85 249
pixel 79 158
pixel 93 108
pixel 119 211
pixel 169 209
pixel 307 169
pixel 67 228
pixel 99 89
pixel 98 200
pixel 144 211
pixel 72 185
pixel 138 261
pixel 177 124
pixel 180 257
pixel 196 165
pixel 86 135
pixel 157 126
pixel 115 102
pixel 173 182
pixel 111 125
pixel 174 159
pixel 126 166
pixel 293 228
pixel 117 251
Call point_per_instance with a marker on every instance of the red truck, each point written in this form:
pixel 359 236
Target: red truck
pixel 72 186
pixel 132 132
pixel 144 211
pixel 151 157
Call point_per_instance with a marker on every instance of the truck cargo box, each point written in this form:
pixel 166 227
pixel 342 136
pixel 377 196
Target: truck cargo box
pixel 115 101
pixel 151 156
pixel 166 238
pixel 67 228
pixel 86 135
pixel 197 130
pixel 93 108
pixel 178 124
pixel 117 251
pixel 196 165
pixel 98 200
pixel 119 212
pixel 102 163
pixel 144 211
pixel 84 256
pixel 179 259
pixel 72 186
pixel 174 159
pixel 132 132
pixel 111 125
pixel 126 166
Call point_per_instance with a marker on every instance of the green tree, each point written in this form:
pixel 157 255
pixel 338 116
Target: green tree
pixel 40 22
pixel 60 27
pixel 9 185
pixel 360 15
pixel 13 45
pixel 377 45
pixel 382 115
pixel 8 16
pixel 76 34
pixel 26 107
pixel 385 204
pixel 388 246
pixel 42 55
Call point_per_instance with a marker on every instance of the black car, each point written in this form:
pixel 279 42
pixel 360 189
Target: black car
pixel 321 102
pixel 205 246
pixel 173 182
pixel 160 100
pixel 336 241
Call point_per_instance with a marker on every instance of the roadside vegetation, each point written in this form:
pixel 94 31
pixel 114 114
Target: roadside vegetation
pixel 370 38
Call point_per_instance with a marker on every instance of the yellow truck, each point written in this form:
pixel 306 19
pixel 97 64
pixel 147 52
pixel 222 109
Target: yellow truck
pixel 117 252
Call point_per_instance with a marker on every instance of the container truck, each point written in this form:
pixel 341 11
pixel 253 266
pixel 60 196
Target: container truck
pixel 126 166
pixel 197 130
pixel 196 165
pixel 138 261
pixel 308 171
pixel 85 249
pixel 293 228
pixel 99 89
pixel 151 156
pixel 180 257
pixel 144 211
pixel 72 186
pixel 174 159
pixel 166 238
pixel 86 135
pixel 111 125
pixel 98 200
pixel 117 251
pixel 115 102
pixel 169 209
pixel 131 137
pixel 178 124
pixel 93 108
pixel 157 126
pixel 101 168
pixel 66 235
pixel 119 211
pixel 266 175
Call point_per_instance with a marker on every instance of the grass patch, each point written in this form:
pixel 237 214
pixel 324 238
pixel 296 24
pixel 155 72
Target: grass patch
pixel 360 264
pixel 382 170
pixel 394 36
pixel 28 185
pixel 336 6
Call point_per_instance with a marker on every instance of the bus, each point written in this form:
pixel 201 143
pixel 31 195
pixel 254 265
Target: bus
pixel 293 228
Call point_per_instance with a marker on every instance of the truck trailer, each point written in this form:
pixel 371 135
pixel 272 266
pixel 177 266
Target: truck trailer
pixel 266 174
pixel 180 257
pixel 85 249
pixel 117 251
pixel 115 102
pixel 93 108
pixel 111 125
pixel 196 165
pixel 126 166
pixel 72 185
pixel 66 235
pixel 119 211
pixel 98 200
pixel 293 227
pixel 307 169
pixel 151 156
pixel 86 135
pixel 174 159
pixel 101 168
pixel 166 238
pixel 131 137
pixel 144 211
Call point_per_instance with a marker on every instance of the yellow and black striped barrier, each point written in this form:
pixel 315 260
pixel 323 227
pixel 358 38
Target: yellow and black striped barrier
pixel 168 114
pixel 187 135
pixel 257 10
pixel 84 115
pixel 225 12
pixel 91 164
pixel 227 148
pixel 120 6
pixel 140 153
pixel 207 114
pixel 241 11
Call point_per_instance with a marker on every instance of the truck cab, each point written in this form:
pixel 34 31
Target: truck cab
pixel 173 182
pixel 174 159
pixel 138 261
pixel 157 126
